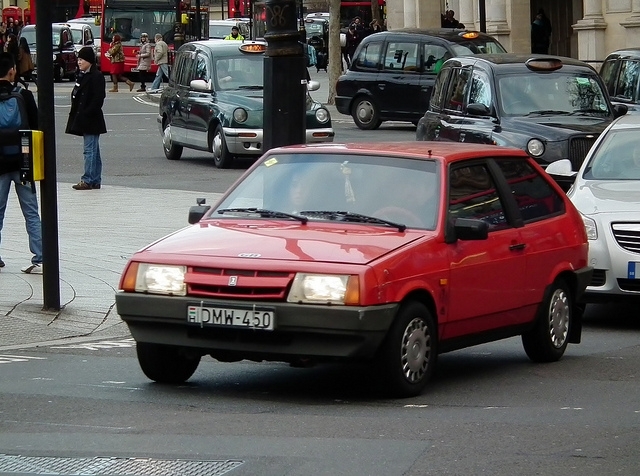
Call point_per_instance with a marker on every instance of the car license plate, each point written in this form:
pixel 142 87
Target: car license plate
pixel 633 270
pixel 254 318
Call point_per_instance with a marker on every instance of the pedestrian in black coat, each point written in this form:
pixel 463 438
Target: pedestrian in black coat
pixel 86 118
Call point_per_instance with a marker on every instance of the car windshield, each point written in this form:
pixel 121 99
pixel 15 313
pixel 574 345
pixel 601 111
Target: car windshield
pixel 617 157
pixel 551 93
pixel 338 187
pixel 313 28
pixel 477 46
pixel 131 22
pixel 241 72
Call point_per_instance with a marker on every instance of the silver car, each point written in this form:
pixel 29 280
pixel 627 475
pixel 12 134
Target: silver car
pixel 606 191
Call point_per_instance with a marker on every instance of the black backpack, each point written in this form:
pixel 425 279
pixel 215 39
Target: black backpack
pixel 13 118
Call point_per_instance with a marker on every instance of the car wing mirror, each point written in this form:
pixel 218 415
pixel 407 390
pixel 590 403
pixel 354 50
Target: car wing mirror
pixel 68 44
pixel 470 229
pixel 477 109
pixel 561 171
pixel 197 212
pixel 313 85
pixel 201 85
pixel 620 110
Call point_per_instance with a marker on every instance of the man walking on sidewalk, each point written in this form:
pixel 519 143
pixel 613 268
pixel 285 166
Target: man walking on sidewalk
pixel 161 58
pixel 12 118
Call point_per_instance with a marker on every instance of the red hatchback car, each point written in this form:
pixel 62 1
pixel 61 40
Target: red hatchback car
pixel 390 253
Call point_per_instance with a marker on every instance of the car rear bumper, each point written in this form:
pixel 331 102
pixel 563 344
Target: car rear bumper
pixel 343 104
pixel 332 332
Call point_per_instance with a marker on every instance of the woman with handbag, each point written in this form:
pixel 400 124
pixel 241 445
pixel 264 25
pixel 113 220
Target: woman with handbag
pixel 116 56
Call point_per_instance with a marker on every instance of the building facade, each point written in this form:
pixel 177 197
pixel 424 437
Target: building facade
pixel 583 29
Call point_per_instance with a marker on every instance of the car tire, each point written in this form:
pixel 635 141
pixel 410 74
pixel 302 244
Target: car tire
pixel 165 363
pixel 221 156
pixel 548 339
pixel 365 113
pixel 171 150
pixel 408 355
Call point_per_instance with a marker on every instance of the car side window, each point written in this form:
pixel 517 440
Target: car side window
pixel 458 89
pixel 480 89
pixel 627 86
pixel 473 194
pixel 401 56
pixel 369 56
pixel 535 197
pixel 202 68
pixel 439 89
pixel 607 72
pixel 434 55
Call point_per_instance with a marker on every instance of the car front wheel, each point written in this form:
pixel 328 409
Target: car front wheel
pixel 408 354
pixel 365 113
pixel 221 156
pixel 171 150
pixel 165 363
pixel 548 339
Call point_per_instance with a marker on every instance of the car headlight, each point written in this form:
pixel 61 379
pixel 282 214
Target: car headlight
pixel 322 115
pixel 155 279
pixel 325 288
pixel 535 147
pixel 590 227
pixel 240 115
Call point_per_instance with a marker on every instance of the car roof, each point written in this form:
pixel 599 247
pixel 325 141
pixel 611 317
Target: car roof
pixel 449 34
pixel 625 53
pixel 445 151
pixel 217 45
pixel 515 59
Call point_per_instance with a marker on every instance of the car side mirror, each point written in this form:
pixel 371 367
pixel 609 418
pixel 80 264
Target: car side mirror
pixel 477 109
pixel 68 44
pixel 89 42
pixel 200 85
pixel 471 229
pixel 561 171
pixel 197 212
pixel 619 110
pixel 313 85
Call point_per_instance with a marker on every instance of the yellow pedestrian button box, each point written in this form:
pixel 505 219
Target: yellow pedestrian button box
pixel 32 147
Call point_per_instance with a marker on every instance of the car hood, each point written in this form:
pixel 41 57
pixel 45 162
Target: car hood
pixel 251 100
pixel 277 240
pixel 557 127
pixel 619 196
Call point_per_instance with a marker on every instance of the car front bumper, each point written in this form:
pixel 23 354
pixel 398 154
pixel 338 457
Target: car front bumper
pixel 318 331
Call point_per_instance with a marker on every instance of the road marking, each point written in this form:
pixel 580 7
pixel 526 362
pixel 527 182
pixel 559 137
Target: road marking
pixel 105 344
pixel 8 359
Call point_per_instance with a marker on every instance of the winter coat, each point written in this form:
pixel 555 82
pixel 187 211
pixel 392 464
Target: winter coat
pixel 161 52
pixel 25 64
pixel 86 117
pixel 144 58
pixel 116 53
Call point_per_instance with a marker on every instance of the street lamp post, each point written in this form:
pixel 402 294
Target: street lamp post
pixel 284 79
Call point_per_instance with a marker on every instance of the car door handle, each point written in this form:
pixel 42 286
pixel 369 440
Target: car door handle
pixel 517 247
pixel 462 136
pixel 381 85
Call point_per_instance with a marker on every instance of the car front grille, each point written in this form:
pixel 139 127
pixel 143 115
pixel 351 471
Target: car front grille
pixel 578 148
pixel 627 235
pixel 598 278
pixel 237 283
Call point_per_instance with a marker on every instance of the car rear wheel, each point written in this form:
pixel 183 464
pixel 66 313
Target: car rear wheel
pixel 221 156
pixel 408 354
pixel 171 150
pixel 548 339
pixel 365 113
pixel 165 363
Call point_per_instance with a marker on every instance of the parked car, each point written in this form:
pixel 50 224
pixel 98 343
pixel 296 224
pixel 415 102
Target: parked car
pixel 387 253
pixel 392 73
pixel 218 29
pixel 95 33
pixel 552 107
pixel 64 53
pixel 620 73
pixel 606 192
pixel 214 102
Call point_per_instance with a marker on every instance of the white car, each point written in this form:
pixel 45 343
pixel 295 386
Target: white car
pixel 76 25
pixel 606 192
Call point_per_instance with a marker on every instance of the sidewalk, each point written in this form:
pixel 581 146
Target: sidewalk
pixel 98 231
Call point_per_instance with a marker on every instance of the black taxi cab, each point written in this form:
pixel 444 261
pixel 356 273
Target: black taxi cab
pixel 392 72
pixel 552 107
pixel 214 102
pixel 64 53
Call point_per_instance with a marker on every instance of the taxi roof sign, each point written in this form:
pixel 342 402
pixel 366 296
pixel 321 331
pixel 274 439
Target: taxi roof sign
pixel 469 34
pixel 253 47
pixel 543 64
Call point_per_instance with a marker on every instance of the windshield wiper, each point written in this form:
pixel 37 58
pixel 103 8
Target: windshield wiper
pixel 578 112
pixel 264 213
pixel 353 217
pixel 256 87
pixel 549 112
